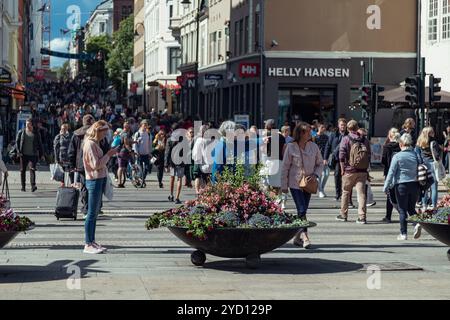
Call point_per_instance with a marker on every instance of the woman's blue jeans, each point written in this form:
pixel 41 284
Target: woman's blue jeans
pixel 434 186
pixel 407 195
pixel 301 200
pixel 95 193
pixel 324 178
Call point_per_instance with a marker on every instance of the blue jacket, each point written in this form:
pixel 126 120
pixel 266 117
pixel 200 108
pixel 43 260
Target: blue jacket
pixel 403 169
pixel 219 155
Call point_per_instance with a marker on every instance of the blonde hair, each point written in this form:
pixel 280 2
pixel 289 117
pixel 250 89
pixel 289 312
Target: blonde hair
pixel 93 132
pixel 394 135
pixel 300 129
pixel 352 125
pixel 424 139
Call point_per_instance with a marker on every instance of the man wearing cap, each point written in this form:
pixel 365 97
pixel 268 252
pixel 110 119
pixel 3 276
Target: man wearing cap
pixel 76 157
pixel 143 148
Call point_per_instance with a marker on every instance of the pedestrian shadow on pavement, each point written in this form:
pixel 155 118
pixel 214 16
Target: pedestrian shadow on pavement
pixel 57 270
pixel 286 266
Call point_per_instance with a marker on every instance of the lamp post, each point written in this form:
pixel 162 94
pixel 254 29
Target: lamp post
pixel 186 4
pixel 136 34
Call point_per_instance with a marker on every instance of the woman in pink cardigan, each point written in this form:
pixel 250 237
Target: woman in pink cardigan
pixel 300 155
pixel 96 171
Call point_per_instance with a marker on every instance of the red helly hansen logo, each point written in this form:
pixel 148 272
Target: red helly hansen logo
pixel 249 70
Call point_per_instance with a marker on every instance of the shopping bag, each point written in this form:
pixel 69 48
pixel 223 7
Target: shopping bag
pixel 5 192
pixel 109 188
pixel 57 172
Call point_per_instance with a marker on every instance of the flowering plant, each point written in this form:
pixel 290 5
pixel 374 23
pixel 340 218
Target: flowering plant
pixel 9 221
pixel 440 215
pixel 235 201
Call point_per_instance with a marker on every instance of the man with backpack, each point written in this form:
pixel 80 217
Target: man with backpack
pixel 354 159
pixel 76 157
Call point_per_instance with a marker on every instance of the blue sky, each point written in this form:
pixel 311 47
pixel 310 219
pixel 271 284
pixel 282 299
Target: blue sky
pixel 59 18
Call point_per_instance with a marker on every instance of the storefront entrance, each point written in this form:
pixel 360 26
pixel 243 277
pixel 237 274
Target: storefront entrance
pixel 306 104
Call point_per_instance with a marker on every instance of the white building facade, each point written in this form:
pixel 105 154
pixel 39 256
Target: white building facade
pixel 101 20
pixel 9 25
pixel 435 40
pixel 162 54
pixel 35 33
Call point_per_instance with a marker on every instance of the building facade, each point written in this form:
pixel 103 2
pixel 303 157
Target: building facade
pixel 35 35
pixel 435 48
pixel 163 56
pixel 101 21
pixel 292 60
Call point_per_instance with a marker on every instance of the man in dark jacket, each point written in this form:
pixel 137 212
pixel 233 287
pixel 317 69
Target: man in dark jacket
pixel 332 149
pixel 76 157
pixel 30 150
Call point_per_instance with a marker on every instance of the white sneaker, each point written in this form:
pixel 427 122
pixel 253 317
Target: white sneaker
pixel 402 237
pixel 417 231
pixel 92 250
pixel 322 195
pixel 99 247
pixel 430 207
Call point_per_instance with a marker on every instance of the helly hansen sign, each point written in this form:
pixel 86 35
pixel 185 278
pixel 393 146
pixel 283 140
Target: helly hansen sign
pixel 310 72
pixel 249 70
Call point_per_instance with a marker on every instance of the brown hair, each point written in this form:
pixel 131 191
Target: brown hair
pixel 299 130
pixel 408 123
pixel 342 120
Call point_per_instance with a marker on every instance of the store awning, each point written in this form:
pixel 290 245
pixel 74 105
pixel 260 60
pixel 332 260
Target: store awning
pixel 17 91
pixel 398 95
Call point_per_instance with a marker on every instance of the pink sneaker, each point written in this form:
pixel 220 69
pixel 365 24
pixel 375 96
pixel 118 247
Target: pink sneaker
pixel 99 247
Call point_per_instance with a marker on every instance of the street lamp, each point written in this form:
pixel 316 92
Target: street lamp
pixel 186 4
pixel 136 34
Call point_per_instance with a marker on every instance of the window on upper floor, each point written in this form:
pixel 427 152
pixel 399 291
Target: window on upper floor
pixel 102 27
pixel 433 20
pixel 246 26
pixel 174 60
pixel 446 19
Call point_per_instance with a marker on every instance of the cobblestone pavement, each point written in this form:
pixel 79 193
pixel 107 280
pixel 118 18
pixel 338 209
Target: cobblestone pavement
pixel 141 264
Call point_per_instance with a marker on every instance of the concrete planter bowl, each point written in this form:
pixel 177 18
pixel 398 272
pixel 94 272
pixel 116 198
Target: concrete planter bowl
pixel 237 243
pixel 439 231
pixel 6 237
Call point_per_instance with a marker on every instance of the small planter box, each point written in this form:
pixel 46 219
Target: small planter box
pixel 237 243
pixel 439 231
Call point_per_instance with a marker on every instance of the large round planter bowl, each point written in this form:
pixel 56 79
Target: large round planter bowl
pixel 237 242
pixel 439 231
pixel 7 237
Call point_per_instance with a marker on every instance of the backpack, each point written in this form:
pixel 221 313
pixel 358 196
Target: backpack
pixel 359 155
pixel 424 175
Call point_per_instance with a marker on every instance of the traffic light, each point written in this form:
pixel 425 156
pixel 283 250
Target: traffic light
pixel 412 89
pixel 377 98
pixel 434 88
pixel 365 96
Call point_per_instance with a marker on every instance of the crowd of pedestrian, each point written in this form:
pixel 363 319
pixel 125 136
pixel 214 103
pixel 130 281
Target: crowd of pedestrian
pixel 89 137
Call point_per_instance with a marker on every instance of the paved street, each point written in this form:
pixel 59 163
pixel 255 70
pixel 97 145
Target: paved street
pixel 145 264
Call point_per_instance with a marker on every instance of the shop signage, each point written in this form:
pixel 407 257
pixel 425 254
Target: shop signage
pixel 5 76
pixel 309 72
pixel 211 76
pixel 40 74
pixel 22 118
pixel 249 70
pixel 242 119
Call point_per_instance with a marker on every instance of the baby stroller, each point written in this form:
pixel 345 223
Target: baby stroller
pixel 135 174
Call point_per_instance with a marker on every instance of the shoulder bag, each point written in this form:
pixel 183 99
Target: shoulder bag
pixel 438 167
pixel 309 183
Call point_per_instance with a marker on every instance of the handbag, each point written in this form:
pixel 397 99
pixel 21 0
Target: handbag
pixel 56 172
pixel 438 166
pixel 109 189
pixel 6 194
pixel 308 184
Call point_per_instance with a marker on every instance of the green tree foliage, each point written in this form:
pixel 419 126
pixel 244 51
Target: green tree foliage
pixel 94 46
pixel 121 57
pixel 63 72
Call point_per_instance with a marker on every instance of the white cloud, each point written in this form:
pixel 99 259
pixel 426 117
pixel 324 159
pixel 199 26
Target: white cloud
pixel 60 45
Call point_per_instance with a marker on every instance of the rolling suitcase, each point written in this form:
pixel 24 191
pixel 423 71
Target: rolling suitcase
pixel 67 201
